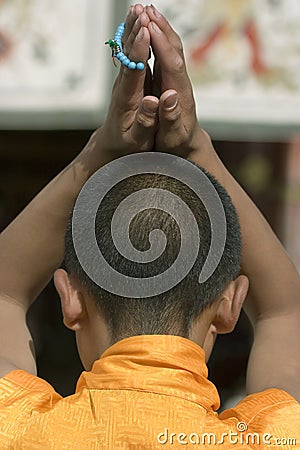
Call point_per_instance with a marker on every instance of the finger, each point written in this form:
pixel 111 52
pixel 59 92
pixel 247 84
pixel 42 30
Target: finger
pixel 134 12
pixel 131 85
pixel 144 126
pixel 171 127
pixel 169 110
pixel 173 69
pixel 155 16
pixel 142 21
pixel 130 20
pixel 168 56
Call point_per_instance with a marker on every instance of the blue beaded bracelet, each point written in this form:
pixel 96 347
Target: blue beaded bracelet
pixel 117 50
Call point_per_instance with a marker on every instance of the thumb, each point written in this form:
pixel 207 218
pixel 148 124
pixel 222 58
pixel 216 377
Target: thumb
pixel 145 122
pixel 170 118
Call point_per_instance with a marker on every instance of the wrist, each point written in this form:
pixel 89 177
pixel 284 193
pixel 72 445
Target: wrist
pixel 94 155
pixel 202 150
pixel 204 154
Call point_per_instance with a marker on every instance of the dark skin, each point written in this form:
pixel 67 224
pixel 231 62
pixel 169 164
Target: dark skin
pixel 179 123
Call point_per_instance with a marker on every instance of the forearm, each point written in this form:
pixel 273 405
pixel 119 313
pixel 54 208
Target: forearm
pixel 274 281
pixel 273 303
pixel 31 247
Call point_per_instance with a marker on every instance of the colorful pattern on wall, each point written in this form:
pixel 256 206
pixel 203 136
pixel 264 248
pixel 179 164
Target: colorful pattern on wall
pixel 243 57
pixel 52 54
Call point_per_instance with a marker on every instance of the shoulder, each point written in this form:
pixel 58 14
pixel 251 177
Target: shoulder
pixel 268 412
pixel 22 395
pixel 21 386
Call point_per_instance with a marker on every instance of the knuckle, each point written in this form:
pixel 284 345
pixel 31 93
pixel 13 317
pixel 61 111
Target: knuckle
pixel 173 116
pixel 178 64
pixel 179 45
pixel 144 121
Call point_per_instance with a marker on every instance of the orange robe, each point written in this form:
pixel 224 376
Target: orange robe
pixel 145 392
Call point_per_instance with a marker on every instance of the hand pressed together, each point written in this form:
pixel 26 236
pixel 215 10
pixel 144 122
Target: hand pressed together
pixel 152 111
pixel 132 117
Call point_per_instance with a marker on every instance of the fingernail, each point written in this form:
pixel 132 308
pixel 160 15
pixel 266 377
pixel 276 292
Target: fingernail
pixel 137 7
pixel 171 101
pixel 155 27
pixel 155 11
pixel 140 35
pixel 149 106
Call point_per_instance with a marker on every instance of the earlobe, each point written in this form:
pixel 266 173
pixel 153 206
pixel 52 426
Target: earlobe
pixel 71 301
pixel 230 305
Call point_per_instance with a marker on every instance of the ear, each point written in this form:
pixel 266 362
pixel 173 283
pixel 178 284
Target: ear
pixel 72 301
pixel 230 305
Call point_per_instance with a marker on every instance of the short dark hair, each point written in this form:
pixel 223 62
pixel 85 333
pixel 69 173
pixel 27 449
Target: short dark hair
pixel 174 311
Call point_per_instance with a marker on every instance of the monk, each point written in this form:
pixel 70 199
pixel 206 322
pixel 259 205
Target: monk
pixel 145 383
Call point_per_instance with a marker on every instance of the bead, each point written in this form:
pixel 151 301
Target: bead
pixel 116 46
pixel 132 65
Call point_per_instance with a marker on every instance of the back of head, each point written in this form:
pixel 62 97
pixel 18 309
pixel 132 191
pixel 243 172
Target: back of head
pixel 173 311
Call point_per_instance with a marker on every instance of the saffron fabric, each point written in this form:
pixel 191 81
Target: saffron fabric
pixel 145 392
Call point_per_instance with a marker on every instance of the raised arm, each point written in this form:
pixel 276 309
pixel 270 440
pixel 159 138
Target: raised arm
pixel 31 247
pixel 273 303
pixel 274 297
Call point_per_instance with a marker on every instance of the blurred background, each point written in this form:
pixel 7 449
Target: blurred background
pixel 55 80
